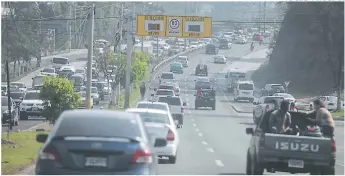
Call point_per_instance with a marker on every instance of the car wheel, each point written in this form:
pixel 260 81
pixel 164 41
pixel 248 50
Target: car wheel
pixel 172 159
pixel 248 165
pixel 328 171
pixel 214 107
pixel 256 169
pixel 16 123
pixel 254 118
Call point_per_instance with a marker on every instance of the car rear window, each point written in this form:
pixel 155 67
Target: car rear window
pixel 165 92
pixel 95 127
pixel 152 106
pixel 153 117
pixel 277 87
pixel 174 101
pixel 166 87
pixel 246 87
pixel 269 99
pixel 167 76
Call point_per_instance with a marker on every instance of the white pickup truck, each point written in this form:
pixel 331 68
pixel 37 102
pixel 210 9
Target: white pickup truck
pixel 264 104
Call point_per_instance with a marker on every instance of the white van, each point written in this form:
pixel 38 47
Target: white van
pixel 59 61
pixel 244 90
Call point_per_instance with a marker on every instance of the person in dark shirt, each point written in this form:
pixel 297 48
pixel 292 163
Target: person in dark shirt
pixel 280 120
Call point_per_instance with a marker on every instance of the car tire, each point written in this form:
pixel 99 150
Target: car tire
pixel 328 171
pixel 16 122
pixel 214 107
pixel 172 159
pixel 248 164
pixel 102 98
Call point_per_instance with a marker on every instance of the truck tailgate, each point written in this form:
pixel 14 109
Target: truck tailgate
pixel 298 144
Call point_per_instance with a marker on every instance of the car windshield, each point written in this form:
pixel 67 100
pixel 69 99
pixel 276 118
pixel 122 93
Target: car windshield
pixel 246 87
pixel 32 96
pixel 269 99
pixel 58 60
pixel 286 95
pixel 3 88
pixel 173 101
pixel 20 85
pixel 79 71
pixel 38 80
pixel 16 95
pixel 166 87
pixel 204 85
pixel 194 43
pixel 48 70
pixel 82 94
pixel 4 101
pixel 167 76
pixel 277 87
pixel 93 89
pixel 154 117
pixel 152 106
pixel 165 92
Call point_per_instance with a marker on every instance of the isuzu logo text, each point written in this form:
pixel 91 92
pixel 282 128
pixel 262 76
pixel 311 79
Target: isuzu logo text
pixel 297 146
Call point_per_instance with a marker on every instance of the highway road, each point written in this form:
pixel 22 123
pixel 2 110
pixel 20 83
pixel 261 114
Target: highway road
pixel 214 142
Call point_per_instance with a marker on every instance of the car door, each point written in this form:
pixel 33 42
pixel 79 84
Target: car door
pixel 258 108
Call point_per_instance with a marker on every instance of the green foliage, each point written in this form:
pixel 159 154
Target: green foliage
pixel 58 95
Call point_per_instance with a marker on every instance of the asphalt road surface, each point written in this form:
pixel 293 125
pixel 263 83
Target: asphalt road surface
pixel 214 142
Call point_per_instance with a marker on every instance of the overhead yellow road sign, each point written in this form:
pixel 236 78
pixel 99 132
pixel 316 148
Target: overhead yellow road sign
pixel 174 26
pixel 197 27
pixel 151 25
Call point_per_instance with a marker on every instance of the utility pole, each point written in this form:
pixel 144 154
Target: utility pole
pixel 128 60
pixel 119 49
pixel 70 26
pixel 264 17
pixel 260 17
pixel 89 57
pixel 157 39
pixel 185 14
pixel 142 37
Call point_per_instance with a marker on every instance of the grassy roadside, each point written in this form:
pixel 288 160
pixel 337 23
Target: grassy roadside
pixel 338 114
pixel 20 151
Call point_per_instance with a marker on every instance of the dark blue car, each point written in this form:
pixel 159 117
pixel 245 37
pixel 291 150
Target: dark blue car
pixel 97 142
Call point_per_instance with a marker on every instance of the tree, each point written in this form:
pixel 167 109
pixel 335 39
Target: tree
pixel 308 49
pixel 58 95
pixel 113 67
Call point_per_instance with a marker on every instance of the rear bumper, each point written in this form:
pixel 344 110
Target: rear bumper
pixel 279 161
pixel 245 98
pixel 32 113
pixel 169 150
pixel 49 168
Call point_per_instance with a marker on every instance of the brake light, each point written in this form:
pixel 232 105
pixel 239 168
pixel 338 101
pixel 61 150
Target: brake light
pixel 142 156
pixel 312 129
pixel 182 110
pixel 267 107
pixel 170 136
pixel 334 147
pixel 49 153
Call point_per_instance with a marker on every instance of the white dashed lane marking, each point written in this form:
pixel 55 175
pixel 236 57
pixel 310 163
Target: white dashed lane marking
pixel 219 163
pixel 203 142
pixel 210 150
pixel 200 134
pixel 197 130
pixel 194 125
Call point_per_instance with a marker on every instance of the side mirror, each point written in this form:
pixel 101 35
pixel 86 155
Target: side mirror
pixel 91 96
pixel 226 76
pixel 152 95
pixel 250 131
pixel 160 142
pixel 255 103
pixel 194 95
pixel 41 138
pixel 178 126
pixel 155 89
pixel 184 104
pixel 20 98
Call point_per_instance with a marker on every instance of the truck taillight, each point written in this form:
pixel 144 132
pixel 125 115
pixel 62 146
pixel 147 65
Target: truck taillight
pixel 267 107
pixel 334 147
pixel 182 110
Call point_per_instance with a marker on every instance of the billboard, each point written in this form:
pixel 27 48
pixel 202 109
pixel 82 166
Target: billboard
pixel 174 26
pixel 197 27
pixel 151 25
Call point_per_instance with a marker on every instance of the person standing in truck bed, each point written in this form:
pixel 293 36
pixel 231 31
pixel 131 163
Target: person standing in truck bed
pixel 280 120
pixel 323 118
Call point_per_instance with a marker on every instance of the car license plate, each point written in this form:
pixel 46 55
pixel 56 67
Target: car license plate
pixel 96 162
pixel 296 163
pixel 34 109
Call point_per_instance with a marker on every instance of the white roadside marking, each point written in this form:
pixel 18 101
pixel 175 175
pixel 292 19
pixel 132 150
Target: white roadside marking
pixel 203 142
pixel 196 130
pixel 194 124
pixel 210 150
pixel 200 134
pixel 219 163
